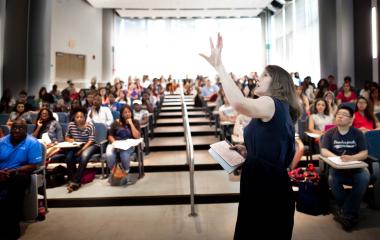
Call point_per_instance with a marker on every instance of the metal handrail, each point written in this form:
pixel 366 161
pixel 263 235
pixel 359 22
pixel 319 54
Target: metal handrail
pixel 189 150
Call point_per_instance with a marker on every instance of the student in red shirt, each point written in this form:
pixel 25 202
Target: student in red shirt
pixel 346 94
pixel 364 119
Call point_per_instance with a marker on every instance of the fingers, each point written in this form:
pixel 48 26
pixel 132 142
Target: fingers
pixel 204 56
pixel 220 41
pixel 211 44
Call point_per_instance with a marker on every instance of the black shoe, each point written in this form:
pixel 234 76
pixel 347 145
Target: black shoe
pixel 348 223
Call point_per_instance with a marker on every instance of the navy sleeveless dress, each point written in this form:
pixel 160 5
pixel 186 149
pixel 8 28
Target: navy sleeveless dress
pixel 266 205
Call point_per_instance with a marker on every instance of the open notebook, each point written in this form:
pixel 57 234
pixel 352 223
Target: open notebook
pixel 228 159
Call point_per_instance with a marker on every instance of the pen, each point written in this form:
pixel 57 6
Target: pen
pixel 343 153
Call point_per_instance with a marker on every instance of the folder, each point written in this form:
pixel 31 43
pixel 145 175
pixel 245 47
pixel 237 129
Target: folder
pixel 230 160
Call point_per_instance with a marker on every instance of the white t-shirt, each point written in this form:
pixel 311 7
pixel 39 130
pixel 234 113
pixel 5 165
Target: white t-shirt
pixel 321 120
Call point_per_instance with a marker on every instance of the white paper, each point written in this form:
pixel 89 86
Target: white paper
pixel 313 135
pixel 69 144
pixel 338 161
pixel 45 138
pixel 126 144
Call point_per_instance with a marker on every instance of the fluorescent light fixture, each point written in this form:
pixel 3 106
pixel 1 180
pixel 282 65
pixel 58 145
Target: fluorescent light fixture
pixel 374 32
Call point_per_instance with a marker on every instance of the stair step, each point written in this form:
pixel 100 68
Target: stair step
pixel 154 188
pixel 179 114
pixel 179 130
pixel 176 109
pixel 178 143
pixel 179 121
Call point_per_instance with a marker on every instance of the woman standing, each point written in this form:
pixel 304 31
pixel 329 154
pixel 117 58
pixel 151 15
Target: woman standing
pixel 266 195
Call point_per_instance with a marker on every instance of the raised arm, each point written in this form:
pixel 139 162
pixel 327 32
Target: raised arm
pixel 262 107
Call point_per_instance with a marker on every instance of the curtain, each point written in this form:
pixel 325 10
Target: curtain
pixel 296 38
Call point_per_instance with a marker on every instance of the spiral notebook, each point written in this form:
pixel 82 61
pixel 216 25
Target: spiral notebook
pixel 230 160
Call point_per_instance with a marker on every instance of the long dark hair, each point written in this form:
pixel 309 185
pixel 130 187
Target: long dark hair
pixel 368 113
pixel 122 119
pixel 40 92
pixel 282 88
pixel 327 109
pixel 50 118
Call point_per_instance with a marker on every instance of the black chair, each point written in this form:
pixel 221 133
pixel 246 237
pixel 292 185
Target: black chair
pixel 38 181
pixel 5 129
pixel 63 117
pixel 373 141
pixel 4 118
pixel 101 141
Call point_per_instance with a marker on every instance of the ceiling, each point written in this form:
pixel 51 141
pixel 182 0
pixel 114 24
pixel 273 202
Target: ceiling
pixel 183 8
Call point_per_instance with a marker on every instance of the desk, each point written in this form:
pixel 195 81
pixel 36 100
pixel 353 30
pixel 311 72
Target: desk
pixel 349 166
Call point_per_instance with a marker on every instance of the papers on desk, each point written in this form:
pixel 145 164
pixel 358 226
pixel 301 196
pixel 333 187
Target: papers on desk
pixel 228 159
pixel 336 162
pixel 69 144
pixel 126 144
pixel 313 135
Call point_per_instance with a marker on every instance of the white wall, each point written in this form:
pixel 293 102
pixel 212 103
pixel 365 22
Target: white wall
pixel 77 21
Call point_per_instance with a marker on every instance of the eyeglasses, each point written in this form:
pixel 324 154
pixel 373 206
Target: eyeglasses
pixel 343 114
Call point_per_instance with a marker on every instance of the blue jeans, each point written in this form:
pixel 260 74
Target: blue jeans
pixel 125 157
pixel 349 201
pixel 76 174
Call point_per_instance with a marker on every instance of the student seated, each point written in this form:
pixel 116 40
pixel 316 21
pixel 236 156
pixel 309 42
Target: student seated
pixel 84 132
pixel 20 155
pixel 19 112
pixel 140 115
pixel 46 123
pixel 122 129
pixel 321 117
pixel 349 143
pixel 364 119
pixel 100 114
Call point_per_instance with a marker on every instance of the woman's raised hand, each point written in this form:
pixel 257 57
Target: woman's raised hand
pixel 215 58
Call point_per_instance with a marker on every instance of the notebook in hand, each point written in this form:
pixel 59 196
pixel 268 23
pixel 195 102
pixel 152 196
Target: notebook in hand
pixel 228 159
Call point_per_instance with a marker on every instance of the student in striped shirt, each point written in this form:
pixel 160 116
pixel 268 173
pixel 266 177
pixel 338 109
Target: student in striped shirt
pixel 79 131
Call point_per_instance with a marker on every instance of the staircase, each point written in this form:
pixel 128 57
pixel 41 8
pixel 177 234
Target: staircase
pixel 166 179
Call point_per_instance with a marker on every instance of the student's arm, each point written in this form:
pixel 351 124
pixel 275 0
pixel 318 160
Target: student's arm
pixel 135 132
pixel 263 107
pixel 312 126
pixel 327 153
pixel 38 128
pixel 362 155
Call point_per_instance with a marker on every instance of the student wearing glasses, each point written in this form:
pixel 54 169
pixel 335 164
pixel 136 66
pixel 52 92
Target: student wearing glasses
pixel 349 143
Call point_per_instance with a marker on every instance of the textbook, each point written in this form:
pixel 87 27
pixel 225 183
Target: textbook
pixel 230 160
pixel 126 144
pixel 337 163
pixel 69 144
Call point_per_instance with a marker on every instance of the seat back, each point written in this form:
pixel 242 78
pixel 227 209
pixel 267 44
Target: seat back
pixel 116 115
pixel 5 129
pixel 30 128
pixel 373 141
pixel 30 210
pixel 4 118
pixel 64 129
pixel 100 132
pixel 351 105
pixel 63 117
